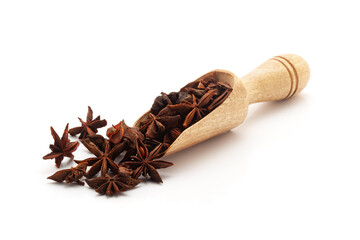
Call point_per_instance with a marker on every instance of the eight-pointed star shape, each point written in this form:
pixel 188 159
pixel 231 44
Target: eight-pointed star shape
pixel 61 147
pixel 146 163
pixel 89 127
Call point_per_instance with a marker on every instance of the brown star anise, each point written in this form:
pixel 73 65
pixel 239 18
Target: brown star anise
pixel 89 127
pixel 223 90
pixel 145 163
pixel 151 144
pixel 122 132
pixel 112 185
pixel 171 136
pixel 61 147
pixel 156 125
pixel 104 159
pixel 201 83
pixel 195 110
pixel 70 175
pixel 197 92
pixel 162 101
pixel 168 99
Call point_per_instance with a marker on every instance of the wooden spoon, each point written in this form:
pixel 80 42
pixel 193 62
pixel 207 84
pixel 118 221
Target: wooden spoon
pixel 279 78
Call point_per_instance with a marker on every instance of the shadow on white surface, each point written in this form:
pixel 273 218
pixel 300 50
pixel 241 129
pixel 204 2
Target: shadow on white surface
pixel 264 110
pixel 220 144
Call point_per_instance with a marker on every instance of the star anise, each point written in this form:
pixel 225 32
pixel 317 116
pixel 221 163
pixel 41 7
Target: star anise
pixel 156 125
pixel 195 109
pixel 146 163
pixel 171 136
pixel 151 144
pixel 104 159
pixel 89 127
pixel 221 86
pixel 61 147
pixel 223 90
pixel 70 175
pixel 129 153
pixel 201 83
pixel 122 132
pixel 112 185
pixel 98 140
pixel 168 99
pixel 197 92
pixel 162 101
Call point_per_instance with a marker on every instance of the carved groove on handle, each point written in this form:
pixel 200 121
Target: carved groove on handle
pixel 294 78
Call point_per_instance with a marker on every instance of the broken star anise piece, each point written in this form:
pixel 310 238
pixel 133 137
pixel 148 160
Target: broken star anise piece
pixel 146 163
pixel 112 185
pixel 89 127
pixel 122 132
pixel 70 175
pixel 104 159
pixel 61 147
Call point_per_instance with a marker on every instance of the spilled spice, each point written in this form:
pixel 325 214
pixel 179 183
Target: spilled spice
pixel 62 147
pixel 128 152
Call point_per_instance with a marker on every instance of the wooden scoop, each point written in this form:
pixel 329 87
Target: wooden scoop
pixel 279 78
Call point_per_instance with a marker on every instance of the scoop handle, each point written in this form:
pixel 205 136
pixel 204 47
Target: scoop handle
pixel 279 78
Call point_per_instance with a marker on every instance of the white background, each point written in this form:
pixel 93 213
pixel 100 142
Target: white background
pixel 290 171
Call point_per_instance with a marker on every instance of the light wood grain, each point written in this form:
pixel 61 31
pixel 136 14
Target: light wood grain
pixel 279 78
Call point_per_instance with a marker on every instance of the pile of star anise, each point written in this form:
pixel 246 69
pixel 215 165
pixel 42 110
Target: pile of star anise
pixel 129 152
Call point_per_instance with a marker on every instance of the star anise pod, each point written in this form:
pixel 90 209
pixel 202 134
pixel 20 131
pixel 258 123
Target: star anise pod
pixel 122 132
pixel 112 185
pixel 223 90
pixel 61 147
pixel 89 127
pixel 151 144
pixel 104 159
pixel 221 86
pixel 168 99
pixel 195 109
pixel 129 153
pixel 171 136
pixel 157 124
pixel 70 175
pixel 162 101
pixel 146 163
pixel 201 83
pixel 197 92
pixel 98 140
